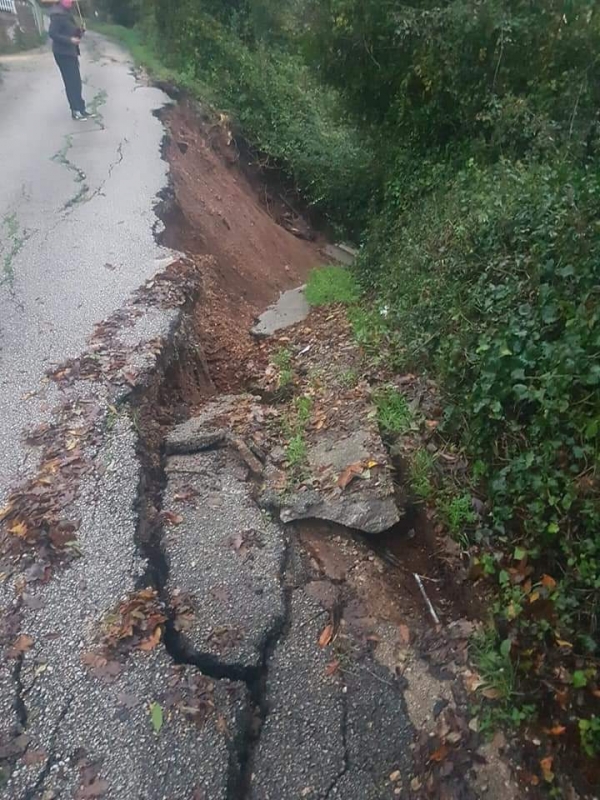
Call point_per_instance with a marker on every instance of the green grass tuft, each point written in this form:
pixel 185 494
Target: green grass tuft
pixel 393 412
pixel 328 285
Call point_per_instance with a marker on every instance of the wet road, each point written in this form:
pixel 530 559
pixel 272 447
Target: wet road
pixel 76 218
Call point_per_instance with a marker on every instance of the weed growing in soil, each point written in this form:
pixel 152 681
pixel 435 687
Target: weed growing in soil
pixel 282 359
pixel 393 412
pixel 294 429
pixel 348 378
pixel 457 512
pixel 296 452
pixel 420 472
pixel 492 658
pixel 328 285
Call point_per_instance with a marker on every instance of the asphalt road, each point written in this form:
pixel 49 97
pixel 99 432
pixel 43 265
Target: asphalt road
pixel 76 218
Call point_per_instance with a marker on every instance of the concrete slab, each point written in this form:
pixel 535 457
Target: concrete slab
pixel 225 560
pixel 291 308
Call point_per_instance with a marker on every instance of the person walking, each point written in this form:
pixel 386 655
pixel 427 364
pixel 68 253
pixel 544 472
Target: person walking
pixel 66 38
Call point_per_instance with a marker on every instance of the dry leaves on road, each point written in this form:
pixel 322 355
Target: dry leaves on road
pixel 21 645
pixel 137 624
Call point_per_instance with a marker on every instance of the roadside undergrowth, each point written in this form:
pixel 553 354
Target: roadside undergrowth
pixel 445 479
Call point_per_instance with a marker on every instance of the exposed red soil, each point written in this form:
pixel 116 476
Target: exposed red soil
pixel 253 258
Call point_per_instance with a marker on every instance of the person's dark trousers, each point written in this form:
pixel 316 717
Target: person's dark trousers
pixel 69 69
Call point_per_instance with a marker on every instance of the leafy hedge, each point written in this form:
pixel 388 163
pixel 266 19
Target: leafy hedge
pixel 494 283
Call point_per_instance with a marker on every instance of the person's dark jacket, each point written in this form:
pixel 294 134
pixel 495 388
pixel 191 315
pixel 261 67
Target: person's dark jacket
pixel 62 29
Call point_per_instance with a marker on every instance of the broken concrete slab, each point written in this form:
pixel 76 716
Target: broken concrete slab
pixel 347 721
pixel 368 514
pixel 342 253
pixel 225 560
pixel 192 437
pixel 291 308
pixel 187 746
pixel 366 502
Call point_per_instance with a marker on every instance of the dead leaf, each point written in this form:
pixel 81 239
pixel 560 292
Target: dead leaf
pixel 491 693
pixel 32 757
pixel 326 636
pixel 21 645
pixel 222 725
pixel 563 643
pixel 548 582
pixel 332 668
pixel 472 681
pixel 440 754
pixel 151 642
pixel 349 474
pixel 404 632
pixel 171 518
pixel 19 529
pixel 546 765
pixel 562 698
pixel 557 730
pixel 186 496
pixel 97 788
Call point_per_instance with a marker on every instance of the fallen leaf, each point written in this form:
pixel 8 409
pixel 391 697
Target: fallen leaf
pixel 326 636
pixel 548 582
pixel 546 765
pixel 21 645
pixel 221 725
pixel 395 776
pixel 151 642
pixel 348 475
pixel 96 788
pixel 332 668
pixel 156 715
pixel 562 698
pixel 491 693
pixel 171 518
pixel 563 643
pixel 440 754
pixel 32 757
pixel 404 631
pixel 557 730
pixel 19 529
pixel 472 681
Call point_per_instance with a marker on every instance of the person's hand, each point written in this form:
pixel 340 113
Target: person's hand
pixel 75 40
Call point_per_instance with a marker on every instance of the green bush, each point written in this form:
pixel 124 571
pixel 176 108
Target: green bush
pixel 493 282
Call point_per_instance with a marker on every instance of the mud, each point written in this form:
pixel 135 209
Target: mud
pixel 216 212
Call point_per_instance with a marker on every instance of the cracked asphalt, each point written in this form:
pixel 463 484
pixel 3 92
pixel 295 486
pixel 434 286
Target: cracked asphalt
pixel 76 219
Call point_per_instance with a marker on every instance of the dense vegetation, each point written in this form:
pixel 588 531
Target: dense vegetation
pixel 459 140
